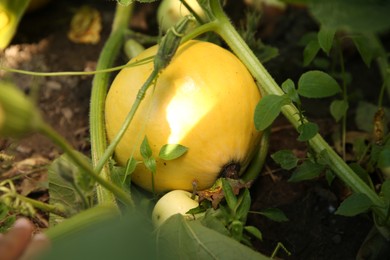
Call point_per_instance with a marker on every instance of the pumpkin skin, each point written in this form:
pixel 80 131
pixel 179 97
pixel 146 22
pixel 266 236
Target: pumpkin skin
pixel 205 100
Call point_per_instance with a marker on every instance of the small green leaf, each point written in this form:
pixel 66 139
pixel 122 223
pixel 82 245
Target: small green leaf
pixel 172 151
pixel 130 166
pixel 355 204
pixel 236 229
pixel 289 88
pixel 310 52
pixel 231 199
pixel 145 149
pixel 243 205
pixel 338 108
pixel 268 109
pixel 254 231
pixel 364 47
pixel 274 214
pixel 306 171
pixel 150 163
pixel 307 131
pixel 317 84
pixel 325 38
pixel 286 159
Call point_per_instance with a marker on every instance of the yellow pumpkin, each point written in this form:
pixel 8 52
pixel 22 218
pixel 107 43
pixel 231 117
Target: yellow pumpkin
pixel 205 100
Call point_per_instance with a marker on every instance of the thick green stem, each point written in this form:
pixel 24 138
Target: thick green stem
pixel 98 95
pixel 223 27
pixel 84 165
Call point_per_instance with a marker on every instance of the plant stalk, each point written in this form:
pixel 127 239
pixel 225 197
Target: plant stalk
pixel 98 94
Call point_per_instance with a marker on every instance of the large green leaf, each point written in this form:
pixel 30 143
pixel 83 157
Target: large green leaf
pixel 103 235
pixel 63 175
pixel 354 15
pixel 181 239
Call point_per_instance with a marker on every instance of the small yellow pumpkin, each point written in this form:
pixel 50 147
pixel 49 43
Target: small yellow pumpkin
pixel 204 100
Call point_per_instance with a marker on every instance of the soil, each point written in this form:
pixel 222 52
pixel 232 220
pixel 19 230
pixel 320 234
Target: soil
pixel 41 44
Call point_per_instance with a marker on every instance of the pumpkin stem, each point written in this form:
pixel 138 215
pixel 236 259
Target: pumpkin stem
pixel 230 170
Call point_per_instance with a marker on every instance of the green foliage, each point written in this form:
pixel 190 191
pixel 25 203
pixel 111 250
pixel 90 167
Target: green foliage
pixel 286 159
pixel 338 109
pixel 317 84
pixel 268 109
pixel 325 38
pixel 353 15
pixel 172 151
pixel 274 214
pixel 307 131
pixel 6 218
pixel 69 187
pixel 198 242
pixel 248 33
pixel 306 171
pixel 146 153
pixel 355 204
pixel 124 237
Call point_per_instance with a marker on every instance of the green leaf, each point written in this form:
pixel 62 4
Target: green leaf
pixel 236 230
pixel 384 158
pixel 62 191
pixel 286 159
pixel 355 204
pixel 325 38
pixel 317 84
pixel 198 242
pixel 289 88
pixel 150 163
pixel 231 199
pixel 307 131
pixel 130 166
pixel 268 109
pixel 306 171
pixel 172 151
pixel 145 149
pixel 385 190
pixel 310 52
pixel 243 205
pixel 212 222
pixel 103 235
pixel 254 231
pixel 274 214
pixel 364 47
pixel 354 15
pixel 338 108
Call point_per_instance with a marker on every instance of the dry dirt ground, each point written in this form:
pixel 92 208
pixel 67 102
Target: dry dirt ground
pixel 41 44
